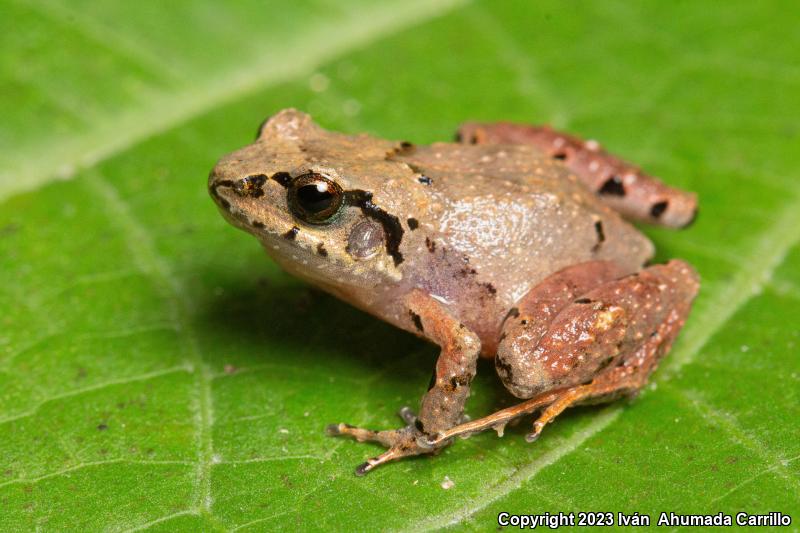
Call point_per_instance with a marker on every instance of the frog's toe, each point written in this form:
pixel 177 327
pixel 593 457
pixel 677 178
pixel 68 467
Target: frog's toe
pixel 404 442
pixel 409 443
pixel 387 438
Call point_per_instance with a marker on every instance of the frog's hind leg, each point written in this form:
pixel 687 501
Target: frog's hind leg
pixel 596 347
pixel 442 406
pixel 622 185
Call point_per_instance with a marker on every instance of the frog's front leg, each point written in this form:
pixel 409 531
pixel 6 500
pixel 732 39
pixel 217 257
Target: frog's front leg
pixel 622 185
pixel 442 406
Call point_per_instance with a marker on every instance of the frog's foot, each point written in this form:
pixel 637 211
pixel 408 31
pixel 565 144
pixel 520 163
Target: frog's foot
pixel 404 442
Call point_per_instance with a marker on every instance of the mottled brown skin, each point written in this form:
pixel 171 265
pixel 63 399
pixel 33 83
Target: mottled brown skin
pixel 621 185
pixel 485 248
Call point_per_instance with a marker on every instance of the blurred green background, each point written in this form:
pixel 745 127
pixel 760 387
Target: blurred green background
pixel 158 372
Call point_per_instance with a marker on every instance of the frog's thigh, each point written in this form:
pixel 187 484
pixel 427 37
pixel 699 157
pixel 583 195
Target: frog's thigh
pixel 618 183
pixel 443 405
pixel 585 320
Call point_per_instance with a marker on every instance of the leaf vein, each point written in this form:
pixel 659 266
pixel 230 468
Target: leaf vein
pixel 145 256
pixel 728 423
pixel 93 388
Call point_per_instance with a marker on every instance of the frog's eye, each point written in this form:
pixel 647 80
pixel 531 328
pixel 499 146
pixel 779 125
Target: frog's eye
pixel 315 199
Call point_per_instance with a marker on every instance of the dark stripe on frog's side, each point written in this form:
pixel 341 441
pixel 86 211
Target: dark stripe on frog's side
pixel 391 224
pixel 601 236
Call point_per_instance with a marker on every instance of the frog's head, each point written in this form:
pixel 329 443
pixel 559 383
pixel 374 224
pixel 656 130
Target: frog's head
pixel 314 200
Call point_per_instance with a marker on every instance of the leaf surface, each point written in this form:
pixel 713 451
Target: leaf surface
pixel 158 372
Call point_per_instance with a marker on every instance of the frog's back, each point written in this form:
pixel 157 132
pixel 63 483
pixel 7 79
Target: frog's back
pixel 501 219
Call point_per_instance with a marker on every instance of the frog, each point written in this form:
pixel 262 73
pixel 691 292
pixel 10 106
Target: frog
pixel 515 242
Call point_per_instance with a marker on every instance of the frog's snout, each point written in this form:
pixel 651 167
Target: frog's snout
pixel 228 193
pixel 220 188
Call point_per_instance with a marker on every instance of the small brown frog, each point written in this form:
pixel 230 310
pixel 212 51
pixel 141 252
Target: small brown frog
pixel 508 244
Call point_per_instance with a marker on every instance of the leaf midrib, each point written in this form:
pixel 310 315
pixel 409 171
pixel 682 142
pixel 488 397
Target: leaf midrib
pixel 116 133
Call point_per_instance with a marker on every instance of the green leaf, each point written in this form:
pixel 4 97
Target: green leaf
pixel 158 372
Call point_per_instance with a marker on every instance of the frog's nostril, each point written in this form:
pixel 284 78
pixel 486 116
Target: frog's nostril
pixel 252 186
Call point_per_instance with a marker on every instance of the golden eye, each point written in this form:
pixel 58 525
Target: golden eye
pixel 314 199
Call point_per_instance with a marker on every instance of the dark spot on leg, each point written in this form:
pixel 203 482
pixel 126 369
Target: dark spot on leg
pixel 257 224
pixel 292 233
pixel 460 380
pixel 613 187
pixel 415 318
pixel 425 180
pixel 524 321
pixel 283 178
pixel 561 156
pixel 504 370
pixel 658 209
pixel 583 301
pixel 431 245
pixel 321 250
pixel 413 223
pixel 419 425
